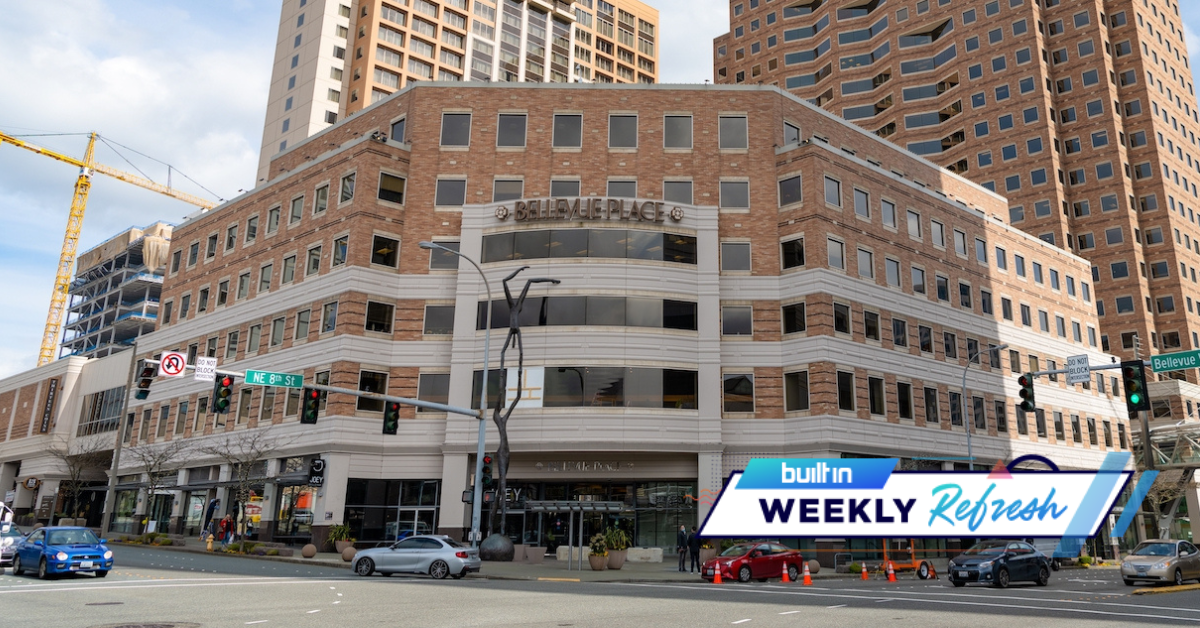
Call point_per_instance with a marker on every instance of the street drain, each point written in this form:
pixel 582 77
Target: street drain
pixel 154 625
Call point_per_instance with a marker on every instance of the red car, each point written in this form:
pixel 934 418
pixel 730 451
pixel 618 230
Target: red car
pixel 759 560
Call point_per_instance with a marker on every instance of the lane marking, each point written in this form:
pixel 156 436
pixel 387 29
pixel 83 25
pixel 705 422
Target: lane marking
pixel 261 621
pixel 314 611
pixel 741 621
pixel 160 586
pixel 838 606
pixel 1085 611
pixel 790 612
pixel 559 579
pixel 886 599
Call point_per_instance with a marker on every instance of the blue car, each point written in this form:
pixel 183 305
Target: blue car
pixel 59 550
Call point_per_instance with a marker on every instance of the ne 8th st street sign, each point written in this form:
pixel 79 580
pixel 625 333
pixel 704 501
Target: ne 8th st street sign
pixel 1175 361
pixel 267 378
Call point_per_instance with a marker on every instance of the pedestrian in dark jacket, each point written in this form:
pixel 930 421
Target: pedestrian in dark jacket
pixel 694 549
pixel 681 546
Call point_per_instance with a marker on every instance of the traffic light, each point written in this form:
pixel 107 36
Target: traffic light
pixel 485 474
pixel 391 417
pixel 1133 375
pixel 222 394
pixel 312 405
pixel 1028 404
pixel 146 373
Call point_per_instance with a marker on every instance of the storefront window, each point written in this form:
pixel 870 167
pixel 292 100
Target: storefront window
pixel 295 513
pixel 386 510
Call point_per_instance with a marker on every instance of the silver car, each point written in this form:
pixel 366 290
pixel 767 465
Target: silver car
pixel 10 536
pixel 1161 561
pixel 438 556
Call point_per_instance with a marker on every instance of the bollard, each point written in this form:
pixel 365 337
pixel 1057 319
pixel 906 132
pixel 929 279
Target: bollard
pixel 210 542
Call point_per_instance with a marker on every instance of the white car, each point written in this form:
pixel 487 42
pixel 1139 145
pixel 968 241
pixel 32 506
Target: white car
pixel 438 556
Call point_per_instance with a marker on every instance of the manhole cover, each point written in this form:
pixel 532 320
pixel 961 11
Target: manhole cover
pixel 172 624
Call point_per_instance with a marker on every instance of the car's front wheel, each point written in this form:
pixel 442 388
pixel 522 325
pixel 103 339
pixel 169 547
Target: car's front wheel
pixel 1002 578
pixel 17 568
pixel 43 570
pixel 793 573
pixel 364 567
pixel 101 574
pixel 1130 583
pixel 1178 577
pixel 744 574
pixel 1043 578
pixel 439 569
pixel 923 571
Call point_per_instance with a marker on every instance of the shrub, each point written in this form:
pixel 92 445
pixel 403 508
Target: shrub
pixel 273 552
pixel 599 547
pixel 855 568
pixel 163 542
pixel 1085 560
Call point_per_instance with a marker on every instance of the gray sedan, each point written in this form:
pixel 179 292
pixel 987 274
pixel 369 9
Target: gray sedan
pixel 9 538
pixel 1170 561
pixel 438 556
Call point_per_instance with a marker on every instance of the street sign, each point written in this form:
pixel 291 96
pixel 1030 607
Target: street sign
pixel 1078 371
pixel 172 364
pixel 267 378
pixel 1175 361
pixel 205 369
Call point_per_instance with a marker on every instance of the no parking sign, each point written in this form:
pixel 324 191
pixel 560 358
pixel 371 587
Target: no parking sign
pixel 172 364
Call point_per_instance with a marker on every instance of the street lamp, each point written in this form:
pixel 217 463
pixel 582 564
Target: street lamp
pixel 969 420
pixel 477 501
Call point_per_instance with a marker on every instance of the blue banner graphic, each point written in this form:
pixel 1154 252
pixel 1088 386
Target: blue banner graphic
pixel 814 473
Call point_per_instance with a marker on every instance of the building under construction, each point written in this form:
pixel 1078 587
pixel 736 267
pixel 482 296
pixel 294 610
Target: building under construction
pixel 114 297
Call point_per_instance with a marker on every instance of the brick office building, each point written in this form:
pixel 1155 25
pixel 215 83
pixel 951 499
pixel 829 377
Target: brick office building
pixel 1082 113
pixel 742 274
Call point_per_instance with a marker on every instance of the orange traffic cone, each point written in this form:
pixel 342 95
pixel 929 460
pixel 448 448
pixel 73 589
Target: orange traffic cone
pixel 864 574
pixel 891 573
pixel 807 576
pixel 786 579
pixel 717 576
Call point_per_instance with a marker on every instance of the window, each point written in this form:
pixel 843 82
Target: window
pixel 792 253
pixel 450 193
pixel 302 319
pixel 391 189
pixel 676 191
pixel 439 320
pixel 253 339
pixel 370 381
pixel 735 194
pixel 846 392
pixel 321 202
pixel 510 130
pixel 733 132
pixel 841 318
pixel 456 129
pixel 866 264
pixel 622 131
pixel 735 256
pixel 892 268
pixel 313 265
pixel 914 224
pixel 875 400
pixel 794 320
pixel 507 189
pixel 385 251
pixel 899 332
pixel 568 130
pixel 925 338
pixel 833 192
pixel 379 317
pixel 862 203
pixel 836 254
pixel 339 251
pixel 264 277
pixel 737 320
pixel 329 317
pixel 789 192
pixel 795 391
pixel 347 189
pixel 739 392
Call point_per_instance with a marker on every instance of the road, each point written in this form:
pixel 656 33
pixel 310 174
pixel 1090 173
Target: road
pixel 166 588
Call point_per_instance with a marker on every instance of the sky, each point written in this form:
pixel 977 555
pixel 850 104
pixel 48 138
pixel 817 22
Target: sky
pixel 184 82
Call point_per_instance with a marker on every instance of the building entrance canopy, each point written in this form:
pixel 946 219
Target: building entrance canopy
pixel 555 505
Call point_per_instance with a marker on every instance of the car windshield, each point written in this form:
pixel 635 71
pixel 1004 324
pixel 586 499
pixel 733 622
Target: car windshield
pixel 740 549
pixel 1155 549
pixel 71 537
pixel 981 549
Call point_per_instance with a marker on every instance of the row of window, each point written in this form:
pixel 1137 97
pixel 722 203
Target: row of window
pixel 732 131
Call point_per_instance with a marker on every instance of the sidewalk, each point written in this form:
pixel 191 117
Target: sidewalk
pixel 550 569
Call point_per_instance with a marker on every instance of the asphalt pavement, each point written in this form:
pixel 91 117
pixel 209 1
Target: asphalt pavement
pixel 178 589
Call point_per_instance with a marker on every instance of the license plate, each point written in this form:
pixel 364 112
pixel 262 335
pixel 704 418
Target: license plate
pixel 1142 571
pixel 87 564
pixel 962 574
pixel 710 572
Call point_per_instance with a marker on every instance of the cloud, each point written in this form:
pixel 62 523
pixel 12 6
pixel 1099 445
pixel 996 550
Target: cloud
pixel 687 30
pixel 186 84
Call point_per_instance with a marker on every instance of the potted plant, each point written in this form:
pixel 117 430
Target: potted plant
pixel 599 556
pixel 339 535
pixel 707 552
pixel 617 542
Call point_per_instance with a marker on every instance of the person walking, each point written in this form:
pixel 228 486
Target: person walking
pixel 694 549
pixel 225 527
pixel 681 546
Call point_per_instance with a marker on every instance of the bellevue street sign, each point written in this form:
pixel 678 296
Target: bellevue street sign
pixel 267 378
pixel 1175 361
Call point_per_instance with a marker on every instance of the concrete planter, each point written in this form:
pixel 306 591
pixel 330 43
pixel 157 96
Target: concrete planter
pixel 616 558
pixel 518 552
pixel 308 551
pixel 534 555
pixel 341 546
pixel 644 555
pixel 707 554
pixel 598 563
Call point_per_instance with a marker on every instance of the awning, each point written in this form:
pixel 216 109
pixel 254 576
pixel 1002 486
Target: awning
pixel 574 506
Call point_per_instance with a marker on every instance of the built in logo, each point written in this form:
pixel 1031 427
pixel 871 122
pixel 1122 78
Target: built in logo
pixel 820 473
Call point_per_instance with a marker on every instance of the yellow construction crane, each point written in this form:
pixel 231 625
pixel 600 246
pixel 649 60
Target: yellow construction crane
pixel 66 260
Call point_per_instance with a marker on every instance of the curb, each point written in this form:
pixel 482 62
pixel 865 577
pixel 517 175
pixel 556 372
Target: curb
pixel 1172 589
pixel 279 559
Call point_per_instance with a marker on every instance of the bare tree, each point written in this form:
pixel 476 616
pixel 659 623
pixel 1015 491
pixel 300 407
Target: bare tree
pixel 82 460
pixel 1168 489
pixel 244 451
pixel 159 461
